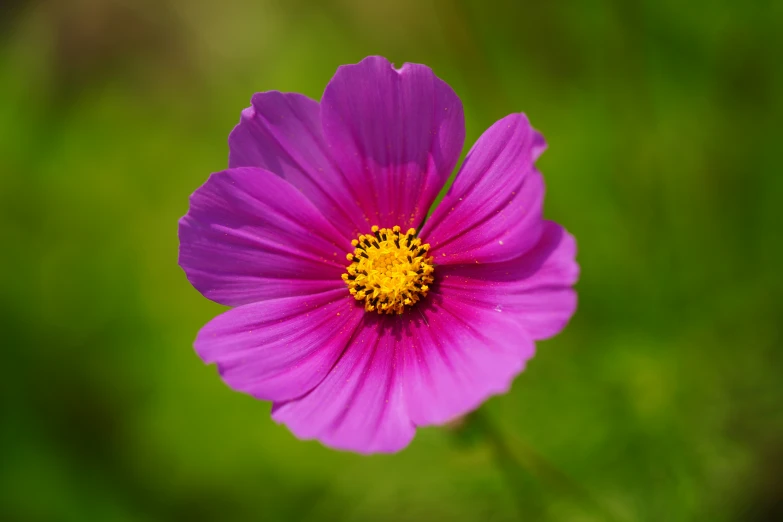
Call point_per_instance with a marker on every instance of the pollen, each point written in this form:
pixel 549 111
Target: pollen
pixel 389 270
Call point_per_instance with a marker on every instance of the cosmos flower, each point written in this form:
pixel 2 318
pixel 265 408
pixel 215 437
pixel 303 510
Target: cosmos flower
pixel 360 317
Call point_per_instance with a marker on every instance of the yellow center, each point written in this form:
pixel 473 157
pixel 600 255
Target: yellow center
pixel 389 270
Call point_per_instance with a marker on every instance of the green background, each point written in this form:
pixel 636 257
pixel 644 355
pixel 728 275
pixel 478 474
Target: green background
pixel 660 402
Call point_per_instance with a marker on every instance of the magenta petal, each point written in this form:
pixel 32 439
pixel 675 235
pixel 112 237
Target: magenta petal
pixel 534 288
pixel 396 134
pixel 458 355
pixel 280 348
pixel 360 405
pixel 282 133
pixel 250 235
pixel 493 210
pixel 423 367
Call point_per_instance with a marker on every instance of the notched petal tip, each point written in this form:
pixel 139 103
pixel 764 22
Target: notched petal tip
pixel 339 442
pixel 539 145
pixel 396 135
pixel 383 62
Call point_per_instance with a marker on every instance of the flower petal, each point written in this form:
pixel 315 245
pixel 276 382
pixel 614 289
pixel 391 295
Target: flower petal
pixel 282 133
pixel 359 406
pixel 493 210
pixel 280 348
pixel 422 367
pixel 250 235
pixel 458 356
pixel 534 288
pixel 396 134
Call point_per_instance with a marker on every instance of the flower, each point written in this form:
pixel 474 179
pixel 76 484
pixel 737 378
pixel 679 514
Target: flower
pixel 356 320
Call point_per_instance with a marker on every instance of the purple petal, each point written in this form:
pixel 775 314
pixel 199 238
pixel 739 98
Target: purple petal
pixel 250 235
pixel 493 210
pixel 396 134
pixel 280 348
pixel 359 406
pixel 458 355
pixel 535 288
pixel 282 133
pixel 423 367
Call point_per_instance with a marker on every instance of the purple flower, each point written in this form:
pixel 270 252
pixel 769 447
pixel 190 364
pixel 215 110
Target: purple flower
pixel 359 334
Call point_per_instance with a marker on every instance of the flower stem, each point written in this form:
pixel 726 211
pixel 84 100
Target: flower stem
pixel 531 477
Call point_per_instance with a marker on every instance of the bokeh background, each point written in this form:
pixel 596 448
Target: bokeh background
pixel 661 401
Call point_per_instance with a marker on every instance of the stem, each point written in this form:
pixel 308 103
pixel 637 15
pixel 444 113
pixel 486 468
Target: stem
pixel 527 471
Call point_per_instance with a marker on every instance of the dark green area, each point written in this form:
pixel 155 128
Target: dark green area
pixel 662 401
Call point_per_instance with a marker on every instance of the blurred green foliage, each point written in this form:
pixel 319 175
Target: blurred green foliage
pixel 660 402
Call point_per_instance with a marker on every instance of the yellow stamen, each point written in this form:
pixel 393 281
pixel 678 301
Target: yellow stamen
pixel 389 270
